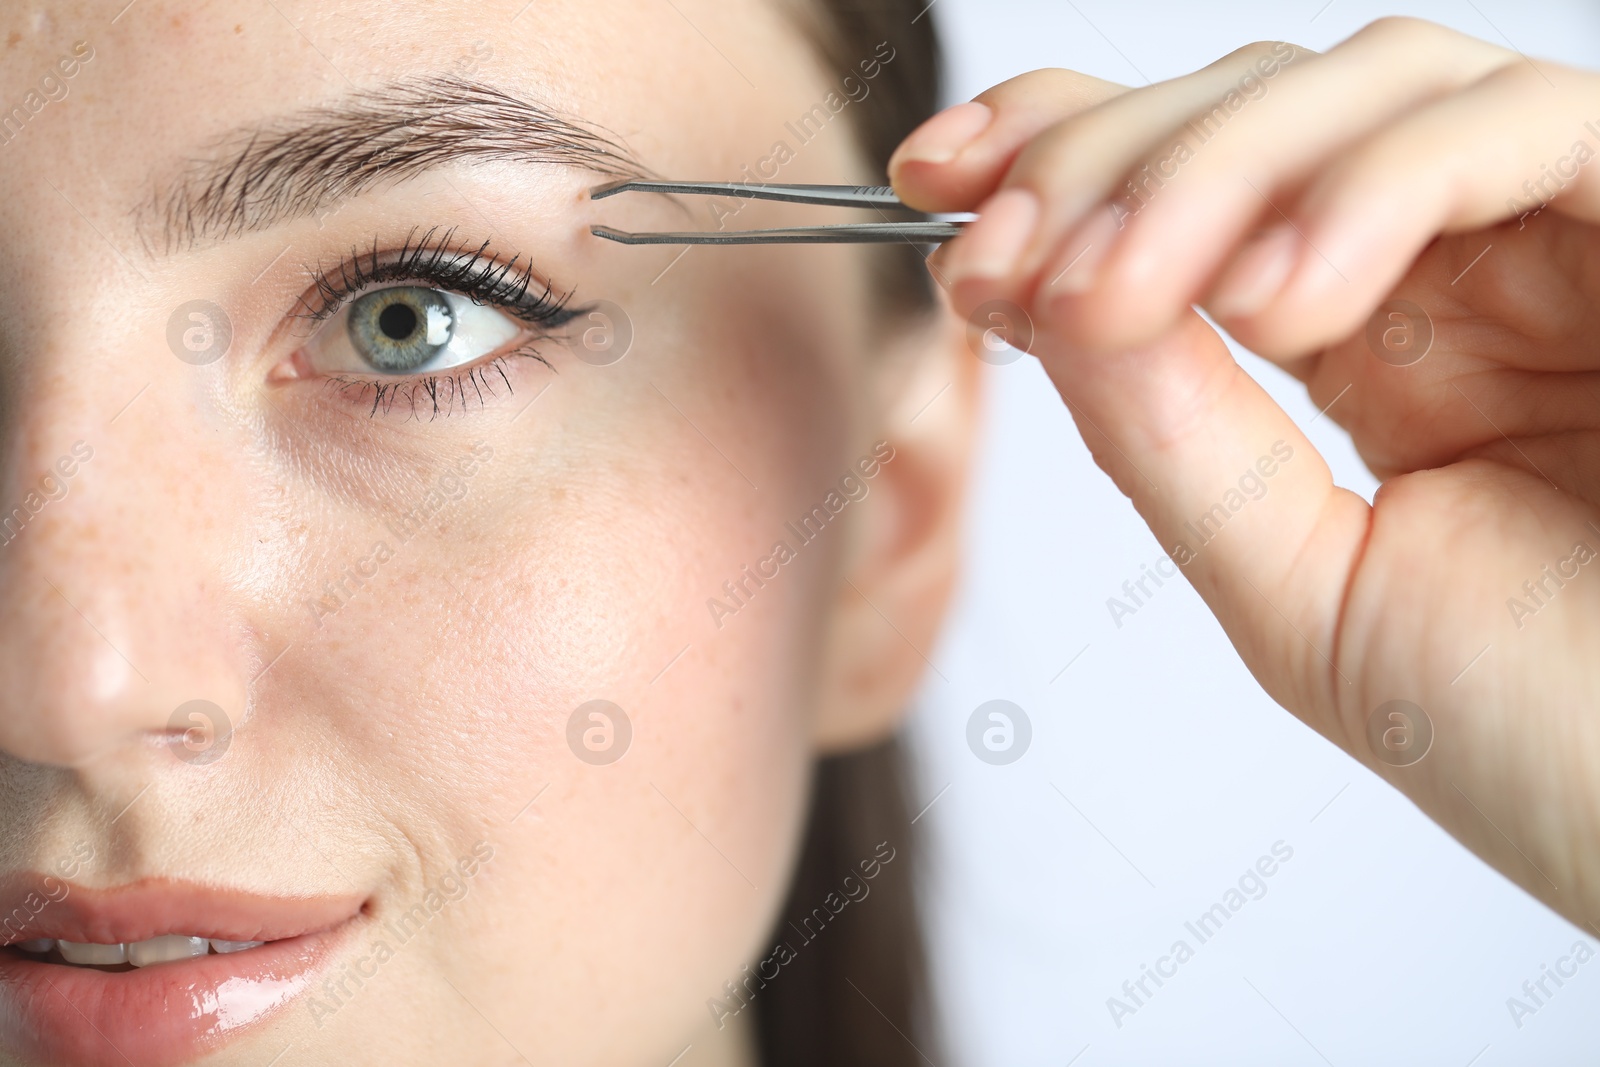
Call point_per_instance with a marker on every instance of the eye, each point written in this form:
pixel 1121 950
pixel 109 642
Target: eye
pixel 408 329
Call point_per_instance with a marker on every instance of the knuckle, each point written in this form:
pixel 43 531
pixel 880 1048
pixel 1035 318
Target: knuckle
pixel 1263 57
pixel 1048 75
pixel 1258 52
pixel 1418 40
pixel 1049 90
pixel 1044 80
pixel 1401 28
pixel 1254 50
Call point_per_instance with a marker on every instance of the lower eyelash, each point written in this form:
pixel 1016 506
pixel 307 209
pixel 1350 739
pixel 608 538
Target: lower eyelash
pixel 435 394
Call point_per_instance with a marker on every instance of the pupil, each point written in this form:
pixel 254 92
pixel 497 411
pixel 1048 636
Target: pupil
pixel 397 321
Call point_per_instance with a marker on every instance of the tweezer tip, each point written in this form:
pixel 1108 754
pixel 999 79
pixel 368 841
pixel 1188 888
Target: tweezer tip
pixel 600 192
pixel 610 234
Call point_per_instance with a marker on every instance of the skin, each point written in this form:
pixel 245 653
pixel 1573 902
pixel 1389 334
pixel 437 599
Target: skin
pixel 1382 168
pixel 372 746
pixel 429 710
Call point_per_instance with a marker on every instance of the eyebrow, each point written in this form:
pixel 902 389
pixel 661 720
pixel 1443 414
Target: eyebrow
pixel 301 164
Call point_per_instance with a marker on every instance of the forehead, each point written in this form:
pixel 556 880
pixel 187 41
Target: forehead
pixel 131 92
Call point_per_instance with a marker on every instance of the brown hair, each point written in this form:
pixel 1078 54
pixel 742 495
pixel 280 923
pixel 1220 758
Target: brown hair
pixel 854 989
pixel 855 992
pixel 904 92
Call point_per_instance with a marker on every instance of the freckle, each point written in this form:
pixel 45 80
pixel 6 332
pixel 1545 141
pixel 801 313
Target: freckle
pixel 238 29
pixel 14 39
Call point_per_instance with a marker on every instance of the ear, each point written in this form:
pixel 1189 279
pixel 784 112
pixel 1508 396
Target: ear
pixel 906 546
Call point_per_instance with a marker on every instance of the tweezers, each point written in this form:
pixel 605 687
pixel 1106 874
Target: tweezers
pixel 881 197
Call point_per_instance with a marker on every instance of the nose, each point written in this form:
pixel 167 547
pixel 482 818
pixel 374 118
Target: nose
pixel 112 572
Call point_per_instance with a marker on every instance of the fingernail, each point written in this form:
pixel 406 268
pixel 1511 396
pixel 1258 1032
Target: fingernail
pixel 1086 249
pixel 1257 275
pixel 991 246
pixel 941 138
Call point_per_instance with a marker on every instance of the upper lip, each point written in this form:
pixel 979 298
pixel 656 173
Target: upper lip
pixel 44 906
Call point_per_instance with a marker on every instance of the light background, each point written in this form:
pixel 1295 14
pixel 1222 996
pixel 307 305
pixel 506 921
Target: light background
pixel 1158 771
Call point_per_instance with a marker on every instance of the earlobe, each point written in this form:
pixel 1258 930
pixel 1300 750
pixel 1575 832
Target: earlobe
pixel 899 578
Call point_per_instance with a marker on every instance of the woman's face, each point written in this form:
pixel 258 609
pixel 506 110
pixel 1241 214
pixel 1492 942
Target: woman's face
pixel 310 571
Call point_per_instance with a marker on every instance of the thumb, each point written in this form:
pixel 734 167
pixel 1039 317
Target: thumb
pixel 1237 496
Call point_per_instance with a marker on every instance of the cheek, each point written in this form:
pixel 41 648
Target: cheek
pixel 454 674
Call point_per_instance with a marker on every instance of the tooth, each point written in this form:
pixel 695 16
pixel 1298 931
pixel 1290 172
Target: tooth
pixel 38 944
pixel 99 955
pixel 234 946
pixel 165 949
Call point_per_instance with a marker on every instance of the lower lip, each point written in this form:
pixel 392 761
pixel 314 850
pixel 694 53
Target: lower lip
pixel 157 1016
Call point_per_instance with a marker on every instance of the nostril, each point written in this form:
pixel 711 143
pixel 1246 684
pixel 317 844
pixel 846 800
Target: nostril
pixel 117 633
pixel 93 663
pixel 199 732
pixel 51 744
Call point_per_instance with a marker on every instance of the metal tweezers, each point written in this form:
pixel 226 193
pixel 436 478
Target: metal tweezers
pixel 867 196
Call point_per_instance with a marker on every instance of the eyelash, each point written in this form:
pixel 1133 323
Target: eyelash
pixel 438 392
pixel 441 262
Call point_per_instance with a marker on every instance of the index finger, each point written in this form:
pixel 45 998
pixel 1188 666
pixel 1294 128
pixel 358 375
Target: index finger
pixel 957 158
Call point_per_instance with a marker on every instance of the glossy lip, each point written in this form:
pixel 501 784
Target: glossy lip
pixel 156 906
pixel 169 1013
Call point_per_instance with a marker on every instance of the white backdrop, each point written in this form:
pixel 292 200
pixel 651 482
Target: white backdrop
pixel 1158 772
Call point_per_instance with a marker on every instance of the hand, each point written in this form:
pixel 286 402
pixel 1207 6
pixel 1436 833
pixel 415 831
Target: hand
pixel 1292 195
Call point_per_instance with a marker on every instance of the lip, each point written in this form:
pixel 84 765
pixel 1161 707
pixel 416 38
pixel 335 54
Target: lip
pixel 169 1013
